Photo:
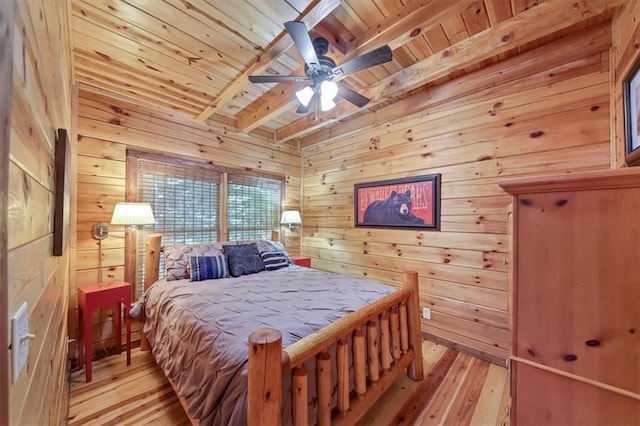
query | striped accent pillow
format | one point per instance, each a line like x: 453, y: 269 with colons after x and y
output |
x: 208, y: 267
x: 274, y: 260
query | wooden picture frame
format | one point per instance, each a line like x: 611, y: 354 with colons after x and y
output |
x: 631, y: 98
x: 62, y: 195
x: 399, y: 203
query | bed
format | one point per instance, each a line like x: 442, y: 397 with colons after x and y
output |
x: 291, y: 345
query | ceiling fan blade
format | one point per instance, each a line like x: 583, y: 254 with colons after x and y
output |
x: 351, y: 95
x: 275, y: 78
x: 375, y: 57
x: 300, y: 35
x: 305, y: 109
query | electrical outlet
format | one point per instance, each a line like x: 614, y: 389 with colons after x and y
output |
x: 426, y: 313
x: 20, y: 340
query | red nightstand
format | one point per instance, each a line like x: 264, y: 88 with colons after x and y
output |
x: 102, y: 295
x: 302, y: 261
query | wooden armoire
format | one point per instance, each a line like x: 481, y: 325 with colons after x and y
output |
x: 575, y: 299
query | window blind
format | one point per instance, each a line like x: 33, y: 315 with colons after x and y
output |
x: 253, y: 207
x: 185, y: 202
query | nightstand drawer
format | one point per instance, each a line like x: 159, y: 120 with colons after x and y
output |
x: 302, y: 261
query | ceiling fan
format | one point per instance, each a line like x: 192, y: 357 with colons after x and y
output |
x: 320, y: 70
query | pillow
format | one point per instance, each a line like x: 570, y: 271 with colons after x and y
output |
x: 268, y: 245
x: 243, y: 259
x: 208, y: 267
x: 274, y: 260
x: 176, y: 258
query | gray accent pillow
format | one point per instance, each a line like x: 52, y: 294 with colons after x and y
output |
x: 176, y: 258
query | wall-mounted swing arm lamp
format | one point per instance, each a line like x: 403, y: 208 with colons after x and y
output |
x: 129, y: 214
x: 291, y: 218
x: 132, y: 214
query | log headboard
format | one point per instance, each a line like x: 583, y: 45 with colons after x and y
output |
x: 153, y: 250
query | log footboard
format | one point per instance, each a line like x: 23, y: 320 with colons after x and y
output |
x: 389, y: 330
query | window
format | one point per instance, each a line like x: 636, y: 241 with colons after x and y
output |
x: 253, y: 207
x: 188, y: 201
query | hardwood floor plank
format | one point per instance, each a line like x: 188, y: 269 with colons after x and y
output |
x: 504, y: 412
x: 463, y: 407
x: 487, y: 411
x: 438, y: 410
x: 457, y: 389
x: 424, y: 395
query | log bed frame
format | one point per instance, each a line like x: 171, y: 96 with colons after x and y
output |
x: 388, y: 327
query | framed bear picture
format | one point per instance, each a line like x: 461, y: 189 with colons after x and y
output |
x: 399, y: 203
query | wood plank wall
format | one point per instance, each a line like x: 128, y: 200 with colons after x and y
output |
x: 541, y: 112
x: 107, y: 128
x: 41, y: 103
x: 625, y: 53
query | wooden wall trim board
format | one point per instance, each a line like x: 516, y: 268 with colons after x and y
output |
x: 73, y: 218
x: 542, y: 111
x: 6, y: 73
x: 599, y: 179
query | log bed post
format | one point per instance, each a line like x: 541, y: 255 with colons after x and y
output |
x: 415, y: 370
x: 151, y: 274
x: 264, y: 394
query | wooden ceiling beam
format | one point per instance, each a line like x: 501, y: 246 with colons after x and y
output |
x: 409, y: 21
x: 558, y: 60
x: 399, y: 28
x: 311, y: 16
x: 517, y: 31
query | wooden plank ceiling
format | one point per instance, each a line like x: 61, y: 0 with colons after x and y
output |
x: 194, y: 56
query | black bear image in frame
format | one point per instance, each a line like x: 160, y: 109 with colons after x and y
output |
x: 395, y: 210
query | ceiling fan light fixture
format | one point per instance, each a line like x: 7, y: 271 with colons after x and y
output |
x: 329, y: 89
x: 326, y: 103
x: 305, y: 95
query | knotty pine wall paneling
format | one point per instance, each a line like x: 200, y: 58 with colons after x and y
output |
x: 625, y: 53
x: 107, y: 129
x: 540, y: 112
x: 40, y: 104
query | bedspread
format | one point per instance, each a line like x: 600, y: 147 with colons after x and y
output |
x: 198, y: 331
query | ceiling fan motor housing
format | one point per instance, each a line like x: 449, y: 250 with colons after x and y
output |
x: 326, y: 64
x: 321, y: 46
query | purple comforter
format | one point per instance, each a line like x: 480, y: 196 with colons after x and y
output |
x: 198, y: 330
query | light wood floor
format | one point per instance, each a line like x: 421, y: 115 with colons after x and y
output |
x: 458, y: 389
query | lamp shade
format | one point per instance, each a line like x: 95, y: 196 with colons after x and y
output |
x: 132, y: 214
x: 305, y: 95
x: 290, y: 217
x: 329, y: 89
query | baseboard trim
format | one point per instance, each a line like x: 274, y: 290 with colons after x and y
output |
x: 494, y: 359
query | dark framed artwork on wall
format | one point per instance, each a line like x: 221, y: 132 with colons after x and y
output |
x: 631, y: 97
x: 399, y: 203
x: 62, y: 196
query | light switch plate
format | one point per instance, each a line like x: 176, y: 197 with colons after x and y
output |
x: 19, y: 342
x: 426, y: 313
